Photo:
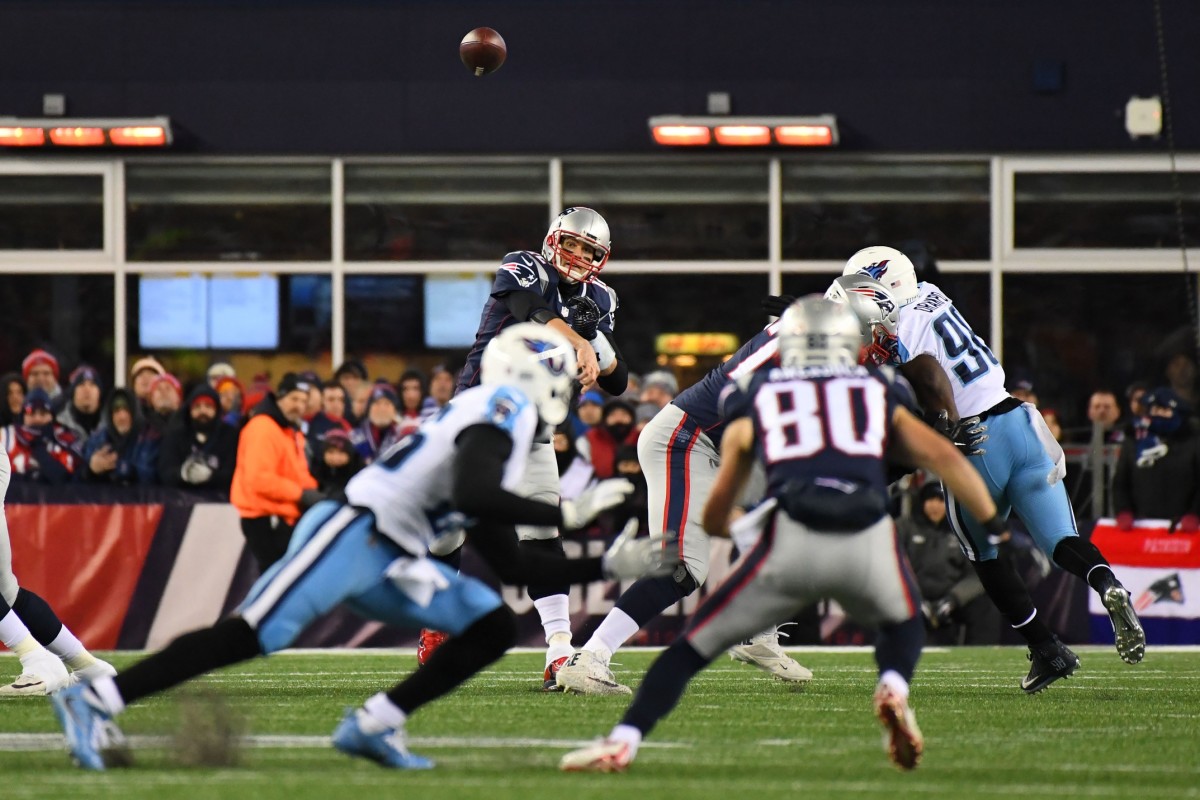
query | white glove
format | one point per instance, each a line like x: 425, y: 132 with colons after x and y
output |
x: 601, y: 497
x: 630, y: 558
x: 195, y: 472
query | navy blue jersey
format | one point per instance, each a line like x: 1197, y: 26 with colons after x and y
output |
x: 525, y: 271
x: 701, y: 401
x: 823, y: 425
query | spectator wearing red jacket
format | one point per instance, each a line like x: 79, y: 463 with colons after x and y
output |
x: 40, y: 449
x: 616, y: 428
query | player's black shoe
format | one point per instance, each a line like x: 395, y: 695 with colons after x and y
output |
x: 1048, y: 663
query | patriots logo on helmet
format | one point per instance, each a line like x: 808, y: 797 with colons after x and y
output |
x: 875, y: 270
x: 882, y: 300
x: 556, y: 364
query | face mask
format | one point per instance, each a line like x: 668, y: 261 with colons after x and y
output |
x: 619, y: 431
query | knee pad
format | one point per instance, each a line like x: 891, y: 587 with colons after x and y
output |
x: 685, y: 584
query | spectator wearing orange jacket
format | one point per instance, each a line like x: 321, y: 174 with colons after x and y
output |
x: 272, y: 483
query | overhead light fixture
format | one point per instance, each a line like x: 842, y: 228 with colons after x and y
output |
x: 816, y: 131
x: 55, y: 132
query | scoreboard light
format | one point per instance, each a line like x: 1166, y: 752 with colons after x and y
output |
x: 816, y: 131
x: 59, y: 132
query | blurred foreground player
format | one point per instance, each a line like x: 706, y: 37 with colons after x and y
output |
x: 823, y: 426
x: 371, y: 553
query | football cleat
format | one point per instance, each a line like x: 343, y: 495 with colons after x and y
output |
x: 430, y: 640
x: 764, y: 652
x: 387, y: 748
x: 603, y: 756
x: 91, y: 733
x: 550, y: 676
x: 1128, y: 635
x: 42, y: 673
x: 1048, y: 663
x: 584, y: 673
x: 97, y: 669
x: 902, y: 739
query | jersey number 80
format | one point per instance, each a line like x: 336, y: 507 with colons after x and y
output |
x: 802, y: 418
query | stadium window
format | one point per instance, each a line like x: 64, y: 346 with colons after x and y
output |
x: 51, y: 212
x: 70, y: 315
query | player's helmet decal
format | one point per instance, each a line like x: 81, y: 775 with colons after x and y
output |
x: 875, y: 270
x: 556, y: 363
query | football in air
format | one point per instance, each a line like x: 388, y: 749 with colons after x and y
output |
x: 483, y: 51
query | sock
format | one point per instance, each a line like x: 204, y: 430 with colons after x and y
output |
x: 70, y: 650
x: 559, y: 646
x: 628, y: 735
x: 380, y: 714
x: 664, y: 685
x: 230, y: 641
x: 1100, y: 577
x: 898, y: 647
x: 488, y: 638
x: 37, y: 615
x: 555, y: 614
x: 1079, y: 557
x: 105, y: 695
x: 894, y: 681
x: 14, y: 634
x: 649, y: 597
x: 1008, y: 592
x: 614, y: 630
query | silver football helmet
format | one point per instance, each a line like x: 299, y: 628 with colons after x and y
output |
x: 816, y: 331
x: 888, y: 266
x: 877, y: 312
x: 586, y: 226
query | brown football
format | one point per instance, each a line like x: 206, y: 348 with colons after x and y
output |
x: 483, y: 51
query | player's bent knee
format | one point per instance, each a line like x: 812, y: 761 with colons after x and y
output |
x: 9, y: 588
x: 685, y: 584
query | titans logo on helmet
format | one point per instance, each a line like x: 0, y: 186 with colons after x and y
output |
x: 555, y: 363
x: 875, y: 270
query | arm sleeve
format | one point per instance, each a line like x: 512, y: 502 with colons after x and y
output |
x: 497, y: 545
x: 617, y: 381
x: 478, y: 474
x: 524, y: 304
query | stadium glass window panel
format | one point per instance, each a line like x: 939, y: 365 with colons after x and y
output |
x: 1102, y: 210
x: 832, y: 208
x: 686, y: 209
x: 1104, y: 331
x: 445, y: 211
x: 51, y: 212
x: 68, y: 314
x: 228, y: 212
x: 262, y: 323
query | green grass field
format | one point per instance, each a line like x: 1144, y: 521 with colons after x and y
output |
x: 1111, y: 731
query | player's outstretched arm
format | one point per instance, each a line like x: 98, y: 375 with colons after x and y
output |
x: 737, y: 449
x: 931, y: 386
x: 920, y: 445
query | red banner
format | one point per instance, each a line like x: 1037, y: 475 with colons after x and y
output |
x: 85, y: 560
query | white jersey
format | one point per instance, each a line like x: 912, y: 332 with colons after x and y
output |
x: 931, y: 325
x: 409, y: 486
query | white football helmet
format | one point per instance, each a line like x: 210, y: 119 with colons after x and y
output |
x: 888, y: 266
x: 539, y: 361
x: 587, y: 226
x: 814, y: 331
x: 876, y: 310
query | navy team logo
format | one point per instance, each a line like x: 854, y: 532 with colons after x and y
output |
x: 875, y: 270
x: 556, y: 363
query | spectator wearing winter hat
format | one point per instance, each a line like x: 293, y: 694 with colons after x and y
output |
x: 332, y: 416
x: 1023, y: 391
x: 271, y: 480
x: 199, y: 449
x: 40, y: 370
x: 590, y: 411
x: 166, y: 396
x: 351, y: 375
x: 142, y: 376
x: 219, y: 370
x: 232, y: 396
x: 1158, y: 469
x: 81, y: 414
x: 123, y: 451
x: 337, y: 462
x: 616, y: 428
x: 378, y: 431
x: 41, y: 450
x: 12, y: 406
x: 658, y: 389
x: 441, y: 390
x: 412, y: 401
x: 315, y: 399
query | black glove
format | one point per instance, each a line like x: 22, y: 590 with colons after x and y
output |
x: 585, y: 316
x: 944, y: 610
x: 309, y: 498
x: 775, y: 305
x: 968, y: 434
